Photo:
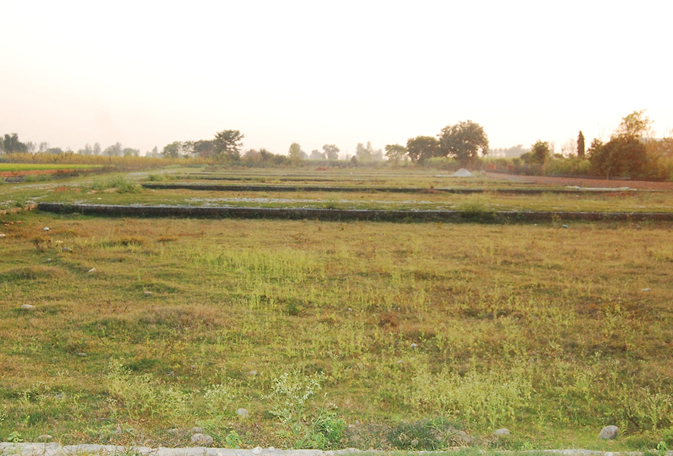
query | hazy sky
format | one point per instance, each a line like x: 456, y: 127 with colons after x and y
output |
x: 315, y: 72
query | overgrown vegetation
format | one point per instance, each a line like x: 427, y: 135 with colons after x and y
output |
x: 334, y: 335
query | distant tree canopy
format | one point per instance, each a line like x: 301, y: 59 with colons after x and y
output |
x: 421, y: 148
x: 581, y: 148
x: 634, y: 125
x: 115, y: 150
x: 464, y: 141
x: 625, y: 155
x: 539, y: 153
x: 11, y: 144
x: 363, y: 153
x: 331, y: 151
x: 622, y: 156
x: 295, y: 152
x: 204, y: 148
x: 263, y: 157
x: 316, y: 155
x: 395, y: 152
x: 227, y: 145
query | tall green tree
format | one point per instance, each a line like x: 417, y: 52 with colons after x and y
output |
x: 464, y: 141
x: 228, y: 144
x: 421, y: 148
x: 580, y: 145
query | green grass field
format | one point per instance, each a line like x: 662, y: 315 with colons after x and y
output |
x: 332, y: 335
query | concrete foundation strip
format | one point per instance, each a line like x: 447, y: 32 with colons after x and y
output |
x: 352, y: 214
x: 310, y: 188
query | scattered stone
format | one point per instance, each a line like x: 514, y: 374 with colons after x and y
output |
x: 414, y: 345
x: 242, y: 413
x: 257, y: 450
x: 197, y: 430
x: 147, y: 293
x: 252, y: 372
x: 91, y: 270
x: 44, y: 437
x: 271, y: 448
x: 462, y: 438
x: 66, y: 249
x: 350, y: 310
x: 2, y: 234
x: 45, y: 228
x: 60, y: 396
x: 27, y: 307
x: 501, y: 432
x: 202, y: 439
x: 82, y: 354
x: 609, y: 433
x: 173, y: 431
x: 564, y: 226
x: 645, y: 290
x: 48, y: 260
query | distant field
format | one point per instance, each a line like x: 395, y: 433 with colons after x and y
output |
x: 12, y: 167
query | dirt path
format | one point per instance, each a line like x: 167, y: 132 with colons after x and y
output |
x: 584, y: 181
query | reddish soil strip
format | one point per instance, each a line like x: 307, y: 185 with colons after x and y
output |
x: 34, y: 171
x: 584, y: 181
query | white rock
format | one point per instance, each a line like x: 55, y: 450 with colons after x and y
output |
x: 462, y: 172
x: 202, y: 439
x: 44, y: 437
x: 45, y: 229
x: 257, y: 450
x: 242, y: 413
x: 500, y: 432
x: 645, y: 290
x: 91, y: 270
x: 27, y: 307
x: 609, y: 433
x: 414, y: 345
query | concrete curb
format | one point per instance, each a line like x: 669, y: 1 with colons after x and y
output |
x: 352, y: 214
x: 313, y: 188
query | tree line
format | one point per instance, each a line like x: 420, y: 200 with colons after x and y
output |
x: 631, y: 151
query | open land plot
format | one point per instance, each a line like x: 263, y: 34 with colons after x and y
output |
x: 381, y: 335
